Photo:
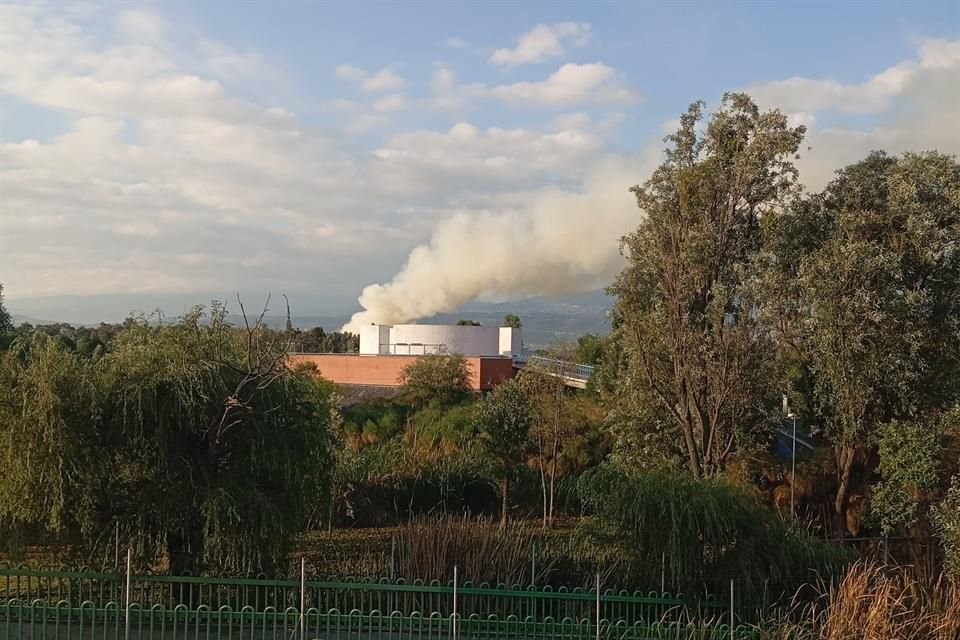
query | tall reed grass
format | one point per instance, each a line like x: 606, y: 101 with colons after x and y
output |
x: 873, y: 602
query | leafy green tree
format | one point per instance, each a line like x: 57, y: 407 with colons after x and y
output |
x: 686, y: 298
x: 590, y: 349
x: 882, y: 298
x: 467, y: 323
x: 504, y: 419
x: 442, y: 379
x: 909, y: 469
x: 946, y: 524
x: 6, y: 326
x: 195, y: 439
x: 512, y: 320
x: 51, y: 453
x: 316, y: 340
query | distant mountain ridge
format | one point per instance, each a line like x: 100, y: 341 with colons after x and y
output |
x: 545, y: 319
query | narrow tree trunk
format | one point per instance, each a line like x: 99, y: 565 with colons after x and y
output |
x: 557, y: 418
x: 843, y: 490
x: 692, y: 451
x: 505, y: 496
x: 184, y: 551
x: 543, y: 486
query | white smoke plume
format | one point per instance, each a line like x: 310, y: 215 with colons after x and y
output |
x: 563, y: 242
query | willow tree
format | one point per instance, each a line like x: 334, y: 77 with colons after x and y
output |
x: 6, y: 324
x: 194, y: 439
x: 49, y: 449
x: 686, y: 298
x: 223, y: 447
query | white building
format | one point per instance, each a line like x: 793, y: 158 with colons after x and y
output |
x: 421, y: 339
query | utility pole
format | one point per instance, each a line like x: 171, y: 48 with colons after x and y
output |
x: 793, y: 465
x: 793, y: 455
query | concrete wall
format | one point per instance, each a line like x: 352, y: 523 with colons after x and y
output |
x: 420, y: 339
x: 375, y: 339
x: 510, y: 344
x: 386, y: 371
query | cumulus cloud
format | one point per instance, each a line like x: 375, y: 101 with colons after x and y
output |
x: 161, y: 179
x: 557, y: 242
x: 383, y: 80
x: 875, y: 93
x: 391, y: 102
x: 349, y: 73
x: 542, y: 42
x: 147, y: 171
x: 507, y: 155
x: 571, y: 84
x: 910, y: 106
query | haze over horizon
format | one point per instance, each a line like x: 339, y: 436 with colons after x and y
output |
x: 157, y: 154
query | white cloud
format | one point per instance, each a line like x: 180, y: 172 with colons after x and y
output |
x: 447, y: 95
x: 146, y: 229
x: 383, y: 80
x: 391, y: 102
x: 571, y: 84
x: 350, y: 73
x: 874, y: 94
x: 486, y: 157
x: 141, y: 26
x: 542, y: 42
x: 456, y: 43
x: 164, y: 180
x: 226, y: 62
x: 911, y: 105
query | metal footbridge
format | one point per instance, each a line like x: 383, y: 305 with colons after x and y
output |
x: 573, y: 374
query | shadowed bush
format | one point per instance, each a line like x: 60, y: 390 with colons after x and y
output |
x: 703, y: 533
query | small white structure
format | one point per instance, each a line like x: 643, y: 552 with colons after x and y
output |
x: 423, y: 339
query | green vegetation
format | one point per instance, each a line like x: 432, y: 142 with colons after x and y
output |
x: 436, y: 380
x: 316, y: 340
x: 192, y: 440
x: 195, y: 441
x: 503, y: 421
x: 6, y: 325
x: 701, y: 532
x: 512, y: 320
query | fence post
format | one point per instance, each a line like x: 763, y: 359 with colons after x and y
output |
x: 598, y: 605
x: 303, y: 597
x: 393, y: 556
x: 453, y: 619
x: 663, y: 573
x: 116, y: 545
x: 732, y: 636
x: 126, y: 607
x: 533, y: 563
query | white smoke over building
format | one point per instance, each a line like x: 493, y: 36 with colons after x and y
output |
x: 562, y: 242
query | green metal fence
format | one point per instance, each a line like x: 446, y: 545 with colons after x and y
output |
x: 38, y: 604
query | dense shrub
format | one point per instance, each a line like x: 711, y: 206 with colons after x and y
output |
x: 702, y: 533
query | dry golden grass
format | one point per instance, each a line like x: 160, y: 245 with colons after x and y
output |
x: 873, y: 602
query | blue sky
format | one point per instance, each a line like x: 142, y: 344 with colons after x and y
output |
x: 200, y: 148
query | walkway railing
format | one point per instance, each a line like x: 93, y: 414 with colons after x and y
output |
x: 200, y: 607
x: 552, y: 366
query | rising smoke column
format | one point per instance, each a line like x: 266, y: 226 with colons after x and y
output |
x: 563, y: 242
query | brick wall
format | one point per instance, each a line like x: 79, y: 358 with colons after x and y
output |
x: 385, y: 371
